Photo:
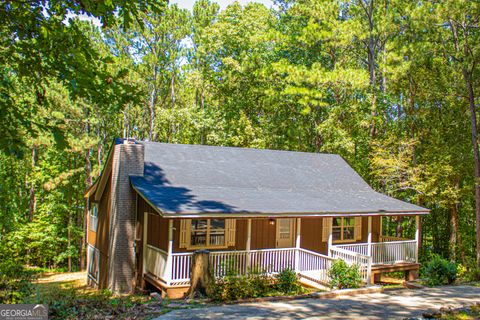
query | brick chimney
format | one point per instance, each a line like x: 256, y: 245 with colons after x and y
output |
x: 127, y: 160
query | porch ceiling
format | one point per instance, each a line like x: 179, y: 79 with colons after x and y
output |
x: 182, y: 180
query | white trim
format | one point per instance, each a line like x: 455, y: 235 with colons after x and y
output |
x: 168, y: 267
x: 285, y: 215
x: 231, y: 215
x: 417, y: 235
x: 149, y: 246
x: 145, y: 242
x: 369, y: 236
x: 297, y: 244
x: 93, y: 218
x: 248, y: 243
x: 330, y: 239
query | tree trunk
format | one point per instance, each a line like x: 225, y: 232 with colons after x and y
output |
x: 172, y: 90
x: 88, y: 183
x: 200, y: 275
x: 151, y: 128
x: 453, y: 232
x: 202, y: 104
x: 473, y: 119
x: 33, y: 198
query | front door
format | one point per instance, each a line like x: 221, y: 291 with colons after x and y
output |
x: 285, y: 228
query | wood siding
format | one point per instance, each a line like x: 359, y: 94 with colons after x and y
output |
x: 143, y: 206
x: 157, y: 233
x: 101, y: 241
x: 263, y: 234
x: 311, y: 235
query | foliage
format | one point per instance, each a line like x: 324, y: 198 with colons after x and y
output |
x: 15, y: 282
x: 255, y: 284
x: 68, y: 297
x: 383, y: 86
x: 287, y: 282
x: 232, y: 287
x: 343, y: 276
x: 440, y: 271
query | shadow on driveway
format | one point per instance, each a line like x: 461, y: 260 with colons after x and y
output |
x: 395, y: 304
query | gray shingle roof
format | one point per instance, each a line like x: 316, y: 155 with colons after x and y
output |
x: 193, y: 179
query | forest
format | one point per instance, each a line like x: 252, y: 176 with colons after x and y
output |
x: 390, y: 85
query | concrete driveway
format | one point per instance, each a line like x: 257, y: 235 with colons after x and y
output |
x: 394, y: 304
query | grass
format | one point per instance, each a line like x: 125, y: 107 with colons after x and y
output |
x: 470, y: 313
x: 69, y: 297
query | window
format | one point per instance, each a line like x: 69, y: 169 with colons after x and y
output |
x: 93, y: 256
x: 207, y: 233
x: 93, y: 217
x: 343, y: 229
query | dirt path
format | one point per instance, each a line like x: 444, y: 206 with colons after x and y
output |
x: 395, y: 304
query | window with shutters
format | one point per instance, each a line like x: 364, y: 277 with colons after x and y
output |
x: 207, y: 233
x: 343, y: 229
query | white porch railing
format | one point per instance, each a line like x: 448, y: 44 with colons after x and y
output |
x: 241, y: 262
x: 311, y: 265
x: 308, y: 264
x: 386, y: 252
x: 314, y: 266
x: 363, y: 262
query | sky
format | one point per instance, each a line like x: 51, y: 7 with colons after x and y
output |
x: 188, y: 4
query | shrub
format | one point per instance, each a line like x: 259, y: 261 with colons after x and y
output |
x: 287, y: 282
x: 343, y: 276
x: 15, y: 282
x: 233, y: 287
x: 254, y: 285
x: 439, y: 271
x: 473, y: 274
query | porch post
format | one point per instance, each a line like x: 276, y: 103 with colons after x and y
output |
x: 369, y: 251
x: 380, y: 237
x: 369, y: 237
x: 330, y: 239
x: 168, y: 265
x: 417, y: 236
x: 144, y: 243
x: 249, y: 243
x: 297, y: 246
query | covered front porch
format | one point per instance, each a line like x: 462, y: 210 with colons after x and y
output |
x: 170, y: 268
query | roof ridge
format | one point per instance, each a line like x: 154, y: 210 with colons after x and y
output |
x: 237, y: 148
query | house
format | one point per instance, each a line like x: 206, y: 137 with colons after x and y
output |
x: 155, y: 204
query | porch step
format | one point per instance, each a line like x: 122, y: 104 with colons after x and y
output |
x: 313, y: 284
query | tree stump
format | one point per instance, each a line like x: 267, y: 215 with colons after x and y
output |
x: 201, y: 277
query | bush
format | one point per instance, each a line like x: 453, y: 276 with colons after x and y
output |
x: 343, y: 276
x: 15, y: 282
x: 473, y: 274
x: 287, y: 282
x: 468, y: 271
x: 439, y: 271
x: 254, y: 285
x: 232, y: 287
